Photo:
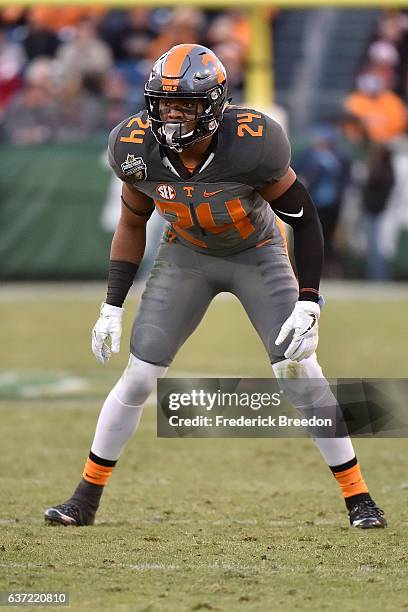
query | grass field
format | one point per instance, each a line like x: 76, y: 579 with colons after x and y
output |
x: 209, y: 524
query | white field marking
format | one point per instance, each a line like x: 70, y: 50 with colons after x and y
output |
x: 94, y: 291
x: 61, y: 387
x: 146, y: 566
x: 31, y: 384
x: 9, y: 378
x: 69, y: 385
x: 321, y: 570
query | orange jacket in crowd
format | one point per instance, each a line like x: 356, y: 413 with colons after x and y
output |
x: 383, y: 116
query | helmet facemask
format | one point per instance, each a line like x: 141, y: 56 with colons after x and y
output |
x: 178, y: 135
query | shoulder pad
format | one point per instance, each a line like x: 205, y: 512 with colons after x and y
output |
x: 259, y: 149
x: 128, y: 147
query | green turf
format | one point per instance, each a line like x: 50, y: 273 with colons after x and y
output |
x: 193, y: 524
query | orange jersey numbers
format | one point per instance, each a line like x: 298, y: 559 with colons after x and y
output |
x: 137, y: 135
x: 184, y: 219
x: 243, y: 128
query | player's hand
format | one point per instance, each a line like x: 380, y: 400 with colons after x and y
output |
x: 304, y: 323
x: 109, y: 325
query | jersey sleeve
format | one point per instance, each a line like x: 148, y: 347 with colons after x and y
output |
x: 113, y: 153
x: 275, y: 157
x: 127, y: 151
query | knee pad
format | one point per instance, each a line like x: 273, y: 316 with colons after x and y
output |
x: 137, y: 381
x: 309, y: 388
x: 150, y: 342
x: 307, y: 368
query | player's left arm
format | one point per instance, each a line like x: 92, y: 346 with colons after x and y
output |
x: 291, y: 201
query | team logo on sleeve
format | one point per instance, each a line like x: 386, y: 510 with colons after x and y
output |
x: 167, y: 192
x: 135, y: 166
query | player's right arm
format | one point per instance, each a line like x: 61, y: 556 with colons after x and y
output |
x: 127, y: 251
x: 129, y: 239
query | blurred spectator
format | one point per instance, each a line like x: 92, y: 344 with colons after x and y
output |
x: 128, y: 33
x: 138, y: 35
x: 232, y: 56
x: 12, y: 62
x: 393, y: 31
x: 105, y: 53
x: 229, y: 37
x: 12, y: 15
x: 324, y: 167
x: 375, y: 116
x: 230, y: 27
x: 393, y: 26
x: 374, y: 112
x: 79, y: 112
x: 37, y: 36
x: 383, y: 61
x: 87, y: 54
x: 375, y: 194
x: 184, y: 24
x: 57, y: 18
x: 117, y: 98
x: 32, y: 115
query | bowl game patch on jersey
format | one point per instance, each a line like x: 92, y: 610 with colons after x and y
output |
x: 134, y: 167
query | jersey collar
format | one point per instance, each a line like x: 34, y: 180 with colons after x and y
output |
x: 172, y: 161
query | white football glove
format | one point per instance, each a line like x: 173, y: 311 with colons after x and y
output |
x: 109, y: 325
x: 304, y: 323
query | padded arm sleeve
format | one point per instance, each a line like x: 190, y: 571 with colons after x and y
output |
x: 296, y: 208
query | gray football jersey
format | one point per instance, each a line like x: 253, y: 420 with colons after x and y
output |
x: 216, y: 209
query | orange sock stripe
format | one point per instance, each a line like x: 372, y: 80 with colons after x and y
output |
x: 351, y: 481
x: 96, y: 474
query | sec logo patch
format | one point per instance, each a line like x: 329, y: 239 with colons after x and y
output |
x: 167, y: 192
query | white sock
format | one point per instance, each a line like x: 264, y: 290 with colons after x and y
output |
x: 122, y: 410
x: 116, y: 425
x: 335, y: 451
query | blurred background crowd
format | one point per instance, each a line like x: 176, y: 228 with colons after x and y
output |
x: 69, y: 74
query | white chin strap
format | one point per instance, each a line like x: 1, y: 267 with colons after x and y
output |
x: 169, y: 130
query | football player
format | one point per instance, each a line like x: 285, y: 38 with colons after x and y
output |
x: 221, y: 177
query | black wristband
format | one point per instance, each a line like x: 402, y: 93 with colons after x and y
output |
x: 309, y: 294
x: 120, y: 279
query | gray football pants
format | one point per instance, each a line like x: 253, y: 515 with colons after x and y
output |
x: 183, y: 282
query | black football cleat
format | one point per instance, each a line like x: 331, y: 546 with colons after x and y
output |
x: 366, y: 515
x: 69, y: 514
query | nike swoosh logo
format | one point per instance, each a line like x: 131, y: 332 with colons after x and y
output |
x: 208, y: 194
x: 299, y: 214
x: 313, y: 323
